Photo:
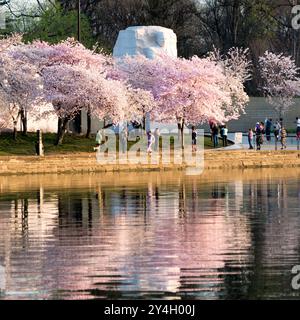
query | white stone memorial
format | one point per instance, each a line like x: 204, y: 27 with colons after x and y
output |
x: 146, y: 40
x: 149, y: 41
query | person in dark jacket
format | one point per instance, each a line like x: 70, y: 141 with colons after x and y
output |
x: 194, y: 139
x: 269, y: 124
x: 215, y: 134
x: 259, y: 131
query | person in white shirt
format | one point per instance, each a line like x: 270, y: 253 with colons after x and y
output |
x: 98, y: 140
x: 225, y: 136
x: 277, y: 128
x: 151, y: 141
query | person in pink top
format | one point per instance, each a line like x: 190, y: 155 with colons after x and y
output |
x: 250, y: 139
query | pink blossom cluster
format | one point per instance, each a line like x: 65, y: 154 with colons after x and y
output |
x: 20, y: 84
x: 280, y: 80
x: 193, y: 90
x: 72, y: 77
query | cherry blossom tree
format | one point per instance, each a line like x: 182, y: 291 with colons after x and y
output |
x: 4, y: 116
x: 20, y: 85
x: 280, y: 80
x: 75, y: 78
x: 69, y: 52
x: 8, y: 42
x: 236, y: 67
x: 71, y: 88
x: 189, y: 91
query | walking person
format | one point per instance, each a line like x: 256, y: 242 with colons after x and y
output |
x: 151, y: 141
x: 277, y: 128
x: 225, y: 136
x: 215, y: 134
x: 263, y: 131
x: 211, y: 126
x: 259, y: 136
x: 281, y: 122
x: 250, y: 139
x: 283, y: 138
x: 194, y: 139
x: 268, y: 125
x: 222, y: 132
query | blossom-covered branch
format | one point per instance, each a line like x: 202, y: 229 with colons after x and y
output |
x: 280, y: 80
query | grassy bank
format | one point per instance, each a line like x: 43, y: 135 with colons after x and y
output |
x: 25, y: 145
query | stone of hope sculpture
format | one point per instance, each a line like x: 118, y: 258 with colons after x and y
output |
x: 149, y: 41
x: 146, y: 40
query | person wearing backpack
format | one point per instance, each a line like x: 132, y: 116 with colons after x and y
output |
x: 259, y: 131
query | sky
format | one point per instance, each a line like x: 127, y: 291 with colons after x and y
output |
x: 22, y: 4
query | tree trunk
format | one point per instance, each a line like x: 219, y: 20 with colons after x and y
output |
x: 182, y: 136
x: 179, y: 130
x: 62, y: 128
x: 89, y: 124
x: 15, y: 132
x: 181, y: 127
x: 24, y: 122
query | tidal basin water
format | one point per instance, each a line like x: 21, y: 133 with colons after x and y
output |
x: 222, y: 235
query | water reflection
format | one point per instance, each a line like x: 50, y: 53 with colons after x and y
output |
x: 221, y: 236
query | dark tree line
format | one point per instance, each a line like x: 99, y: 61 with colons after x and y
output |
x: 108, y: 17
x: 199, y: 25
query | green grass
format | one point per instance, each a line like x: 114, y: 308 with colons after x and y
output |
x: 25, y: 145
x: 208, y: 144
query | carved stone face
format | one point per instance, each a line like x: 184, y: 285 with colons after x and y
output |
x: 148, y: 41
x: 160, y: 39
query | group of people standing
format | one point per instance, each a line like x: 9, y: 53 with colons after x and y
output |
x: 217, y: 130
x: 263, y: 132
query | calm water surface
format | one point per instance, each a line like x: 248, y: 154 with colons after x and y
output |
x: 233, y: 235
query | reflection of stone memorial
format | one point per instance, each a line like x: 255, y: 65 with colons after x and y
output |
x: 147, y: 41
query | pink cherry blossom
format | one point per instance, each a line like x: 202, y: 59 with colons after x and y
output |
x: 280, y: 80
x: 75, y: 78
x: 194, y: 90
x: 20, y: 84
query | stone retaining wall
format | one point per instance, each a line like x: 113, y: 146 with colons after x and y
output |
x: 86, y: 163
